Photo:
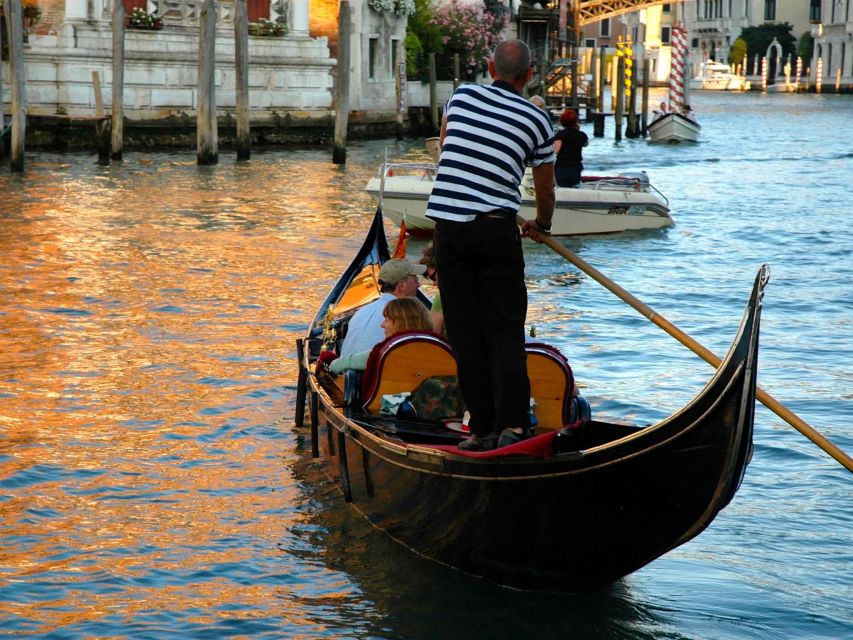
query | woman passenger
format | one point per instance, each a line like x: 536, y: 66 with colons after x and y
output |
x: 400, y: 315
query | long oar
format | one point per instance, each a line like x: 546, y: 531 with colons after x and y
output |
x: 766, y: 399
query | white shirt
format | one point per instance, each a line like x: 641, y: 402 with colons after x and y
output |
x: 365, y: 327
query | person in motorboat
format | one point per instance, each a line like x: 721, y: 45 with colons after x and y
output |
x: 398, y: 278
x: 474, y: 203
x: 538, y: 100
x: 568, y: 145
x: 399, y: 315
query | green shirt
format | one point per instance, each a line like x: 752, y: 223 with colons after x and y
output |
x: 356, y: 361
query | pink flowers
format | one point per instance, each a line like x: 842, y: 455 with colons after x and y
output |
x: 470, y: 31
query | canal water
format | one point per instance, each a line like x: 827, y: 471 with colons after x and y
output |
x: 152, y: 482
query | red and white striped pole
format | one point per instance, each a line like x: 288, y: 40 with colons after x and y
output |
x: 676, y: 72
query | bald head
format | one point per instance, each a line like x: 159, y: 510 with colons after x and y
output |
x: 512, y: 61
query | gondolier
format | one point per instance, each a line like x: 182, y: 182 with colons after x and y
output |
x: 489, y: 134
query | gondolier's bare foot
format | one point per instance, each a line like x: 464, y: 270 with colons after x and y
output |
x: 479, y: 443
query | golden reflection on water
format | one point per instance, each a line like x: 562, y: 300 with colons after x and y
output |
x: 148, y: 315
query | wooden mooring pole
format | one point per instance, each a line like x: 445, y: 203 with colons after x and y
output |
x: 2, y: 113
x: 644, y: 129
x: 602, y: 78
x: 207, y: 151
x: 241, y: 64
x: 15, y: 29
x: 339, y: 151
x: 620, y: 96
x: 102, y: 127
x: 456, y: 71
x: 632, y: 130
x: 433, y: 95
x: 592, y: 93
x: 117, y: 134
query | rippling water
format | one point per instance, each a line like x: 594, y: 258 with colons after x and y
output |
x: 152, y: 483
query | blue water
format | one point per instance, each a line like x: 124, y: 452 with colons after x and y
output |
x: 152, y: 482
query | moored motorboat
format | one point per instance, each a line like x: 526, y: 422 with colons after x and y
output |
x: 602, y: 204
x: 716, y: 76
x: 571, y: 509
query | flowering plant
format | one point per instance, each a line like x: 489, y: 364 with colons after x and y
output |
x: 139, y: 18
x: 400, y: 7
x: 471, y: 32
x: 268, y: 28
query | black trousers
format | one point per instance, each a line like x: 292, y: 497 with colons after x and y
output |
x: 568, y: 175
x: 481, y: 278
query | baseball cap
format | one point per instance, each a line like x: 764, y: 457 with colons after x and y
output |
x: 395, y: 270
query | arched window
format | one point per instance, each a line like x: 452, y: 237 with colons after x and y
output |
x: 814, y: 12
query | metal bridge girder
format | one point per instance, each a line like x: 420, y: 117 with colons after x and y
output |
x: 595, y: 10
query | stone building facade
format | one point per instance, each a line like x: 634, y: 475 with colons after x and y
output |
x: 291, y: 77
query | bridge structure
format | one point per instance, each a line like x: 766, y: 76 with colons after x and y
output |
x: 558, y: 24
x: 594, y: 10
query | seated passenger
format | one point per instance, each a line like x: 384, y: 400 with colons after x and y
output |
x: 437, y: 311
x: 397, y: 279
x: 400, y: 314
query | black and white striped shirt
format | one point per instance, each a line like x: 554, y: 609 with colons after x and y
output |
x: 492, y: 134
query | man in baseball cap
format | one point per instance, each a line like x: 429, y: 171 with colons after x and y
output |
x: 397, y: 279
x: 395, y: 271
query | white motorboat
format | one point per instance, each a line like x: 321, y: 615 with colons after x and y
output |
x: 678, y: 123
x: 716, y: 76
x: 613, y: 204
x: 674, y: 127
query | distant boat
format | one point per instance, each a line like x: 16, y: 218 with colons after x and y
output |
x: 716, y: 76
x: 674, y: 127
x: 677, y: 123
x: 602, y: 204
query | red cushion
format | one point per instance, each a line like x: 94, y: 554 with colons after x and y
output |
x: 539, y: 446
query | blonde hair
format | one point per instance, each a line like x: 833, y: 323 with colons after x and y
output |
x: 408, y: 314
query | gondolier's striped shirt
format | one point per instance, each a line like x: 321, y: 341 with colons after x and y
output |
x: 492, y: 134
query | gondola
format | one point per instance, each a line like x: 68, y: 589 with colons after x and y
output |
x: 572, y: 509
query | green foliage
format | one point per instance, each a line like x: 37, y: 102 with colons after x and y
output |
x: 738, y: 51
x: 469, y: 30
x: 414, y: 52
x: 422, y: 38
x: 267, y: 28
x: 805, y: 47
x: 759, y: 38
x: 140, y: 19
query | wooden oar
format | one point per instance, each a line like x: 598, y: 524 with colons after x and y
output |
x: 766, y: 399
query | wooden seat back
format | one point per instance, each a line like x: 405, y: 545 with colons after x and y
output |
x: 401, y: 363
x: 551, y: 385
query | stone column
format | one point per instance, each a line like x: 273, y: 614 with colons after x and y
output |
x: 75, y: 12
x: 299, y: 17
x: 77, y: 9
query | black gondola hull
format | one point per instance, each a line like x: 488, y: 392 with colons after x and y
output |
x: 574, y: 521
